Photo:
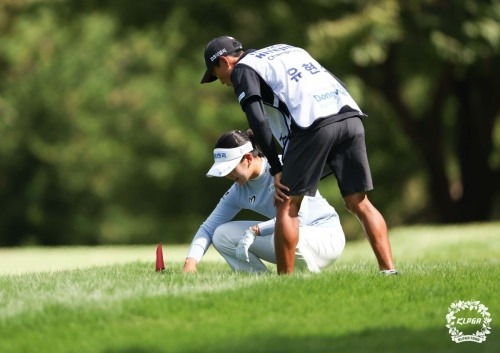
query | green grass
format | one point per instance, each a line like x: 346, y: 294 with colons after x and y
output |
x: 122, y: 306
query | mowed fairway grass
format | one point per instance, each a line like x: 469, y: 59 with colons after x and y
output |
x: 124, y: 307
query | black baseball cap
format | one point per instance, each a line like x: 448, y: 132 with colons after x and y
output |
x: 216, y: 48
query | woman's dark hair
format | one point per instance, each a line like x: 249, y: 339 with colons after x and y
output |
x: 236, y: 138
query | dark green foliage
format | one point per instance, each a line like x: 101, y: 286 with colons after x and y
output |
x: 106, y: 132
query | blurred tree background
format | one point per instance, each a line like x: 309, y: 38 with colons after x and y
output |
x: 106, y: 133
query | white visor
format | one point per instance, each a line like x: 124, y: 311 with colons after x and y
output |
x: 226, y: 159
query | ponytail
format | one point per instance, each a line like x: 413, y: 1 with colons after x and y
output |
x: 237, y: 138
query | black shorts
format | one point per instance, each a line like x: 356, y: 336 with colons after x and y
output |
x: 338, y: 146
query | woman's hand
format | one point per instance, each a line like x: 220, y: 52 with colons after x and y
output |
x: 190, y: 265
x: 255, y: 229
x: 279, y: 190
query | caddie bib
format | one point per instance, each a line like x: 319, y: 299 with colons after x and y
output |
x: 309, y: 91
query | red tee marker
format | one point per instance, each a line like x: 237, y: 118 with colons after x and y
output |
x: 160, y: 266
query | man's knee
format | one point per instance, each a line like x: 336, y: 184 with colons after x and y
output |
x: 291, y: 206
x: 356, y: 203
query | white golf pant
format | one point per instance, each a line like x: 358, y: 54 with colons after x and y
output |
x: 318, y: 247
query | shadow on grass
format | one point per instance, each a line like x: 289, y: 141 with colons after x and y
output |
x: 373, y: 341
x: 386, y: 341
x: 134, y: 349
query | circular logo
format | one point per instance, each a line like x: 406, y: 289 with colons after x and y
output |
x: 468, y: 316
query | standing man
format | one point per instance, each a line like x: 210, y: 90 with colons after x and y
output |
x: 287, y: 94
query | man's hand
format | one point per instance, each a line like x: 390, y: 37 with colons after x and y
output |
x: 190, y: 265
x: 279, y: 189
x: 244, y: 244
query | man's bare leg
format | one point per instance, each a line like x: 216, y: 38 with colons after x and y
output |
x: 286, y: 233
x: 374, y: 226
